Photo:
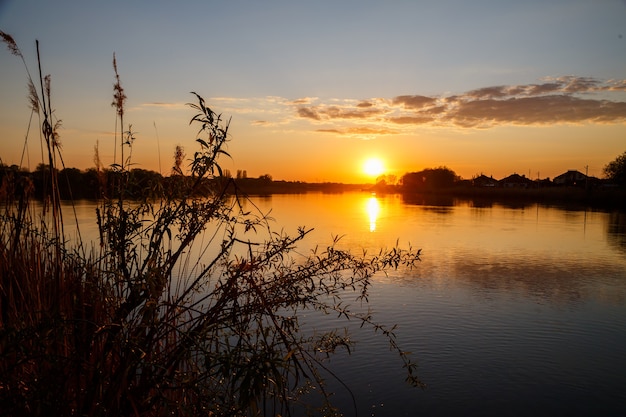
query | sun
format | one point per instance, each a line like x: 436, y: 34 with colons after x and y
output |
x: 373, y: 167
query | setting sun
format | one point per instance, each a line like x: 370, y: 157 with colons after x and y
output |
x: 373, y: 167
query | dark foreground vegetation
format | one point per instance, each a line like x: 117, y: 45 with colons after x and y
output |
x: 187, y: 305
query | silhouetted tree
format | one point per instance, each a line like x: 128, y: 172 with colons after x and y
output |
x: 387, y: 179
x: 94, y: 180
x: 145, y: 183
x: 71, y: 183
x: 41, y: 179
x: 616, y: 170
x: 429, y: 179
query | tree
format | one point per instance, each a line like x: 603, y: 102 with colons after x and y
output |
x: 428, y: 179
x: 616, y: 170
x: 71, y: 183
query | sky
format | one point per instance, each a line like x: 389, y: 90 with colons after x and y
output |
x: 315, y: 88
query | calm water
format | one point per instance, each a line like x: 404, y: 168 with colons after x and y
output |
x: 512, y: 311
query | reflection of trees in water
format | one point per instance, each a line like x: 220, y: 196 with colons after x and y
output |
x: 550, y: 280
x: 480, y: 203
x: 439, y: 200
x: 616, y: 230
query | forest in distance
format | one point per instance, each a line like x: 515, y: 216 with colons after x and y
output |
x: 441, y: 184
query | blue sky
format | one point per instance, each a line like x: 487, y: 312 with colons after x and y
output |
x: 314, y: 88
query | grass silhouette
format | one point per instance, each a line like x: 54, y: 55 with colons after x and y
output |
x: 188, y: 304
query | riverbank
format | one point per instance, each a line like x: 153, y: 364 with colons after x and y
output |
x: 145, y: 184
x: 565, y: 197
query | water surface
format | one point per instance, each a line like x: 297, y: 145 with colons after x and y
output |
x: 513, y: 311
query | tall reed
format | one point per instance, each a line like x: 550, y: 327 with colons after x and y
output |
x: 190, y: 304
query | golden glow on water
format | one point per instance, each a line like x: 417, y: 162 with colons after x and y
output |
x: 517, y: 284
x: 372, y: 207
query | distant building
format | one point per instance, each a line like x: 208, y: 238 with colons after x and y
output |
x: 544, y: 183
x: 484, y: 181
x: 516, y: 181
x: 571, y: 178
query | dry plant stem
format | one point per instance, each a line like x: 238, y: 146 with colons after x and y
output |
x: 137, y: 327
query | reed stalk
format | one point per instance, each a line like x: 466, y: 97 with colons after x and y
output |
x: 188, y: 305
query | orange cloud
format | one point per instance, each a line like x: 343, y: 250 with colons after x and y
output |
x: 368, y: 132
x: 303, y: 100
x: 540, y: 110
x: 414, y: 102
x: 562, y: 100
x: 308, y: 113
x: 323, y: 112
x: 411, y: 120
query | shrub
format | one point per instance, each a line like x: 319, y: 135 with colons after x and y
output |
x: 187, y: 305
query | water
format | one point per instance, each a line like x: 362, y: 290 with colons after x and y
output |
x: 513, y: 311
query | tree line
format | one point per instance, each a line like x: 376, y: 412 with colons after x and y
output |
x: 445, y: 178
x: 95, y: 183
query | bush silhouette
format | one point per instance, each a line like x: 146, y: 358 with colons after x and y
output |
x: 189, y: 304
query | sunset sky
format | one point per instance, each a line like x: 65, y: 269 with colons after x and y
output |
x: 315, y: 88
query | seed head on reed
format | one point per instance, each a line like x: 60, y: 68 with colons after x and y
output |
x: 56, y: 137
x: 119, y: 98
x: 33, y: 98
x: 11, y: 44
x: 179, y: 156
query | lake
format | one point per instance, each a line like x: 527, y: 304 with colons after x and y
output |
x: 513, y: 311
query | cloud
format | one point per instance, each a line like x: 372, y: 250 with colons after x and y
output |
x: 370, y: 131
x: 555, y: 100
x: 561, y: 85
x: 303, y: 100
x: 362, y: 132
x: 542, y: 110
x: 413, y: 102
x: 334, y: 112
x: 308, y: 113
x: 365, y: 104
x: 411, y: 120
x: 550, y: 101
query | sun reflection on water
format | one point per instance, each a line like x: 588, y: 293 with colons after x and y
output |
x: 372, y: 207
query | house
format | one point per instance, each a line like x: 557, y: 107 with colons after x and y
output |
x: 484, y: 181
x: 571, y: 178
x: 516, y: 181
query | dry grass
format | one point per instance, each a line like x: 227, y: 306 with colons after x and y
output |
x: 188, y: 305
